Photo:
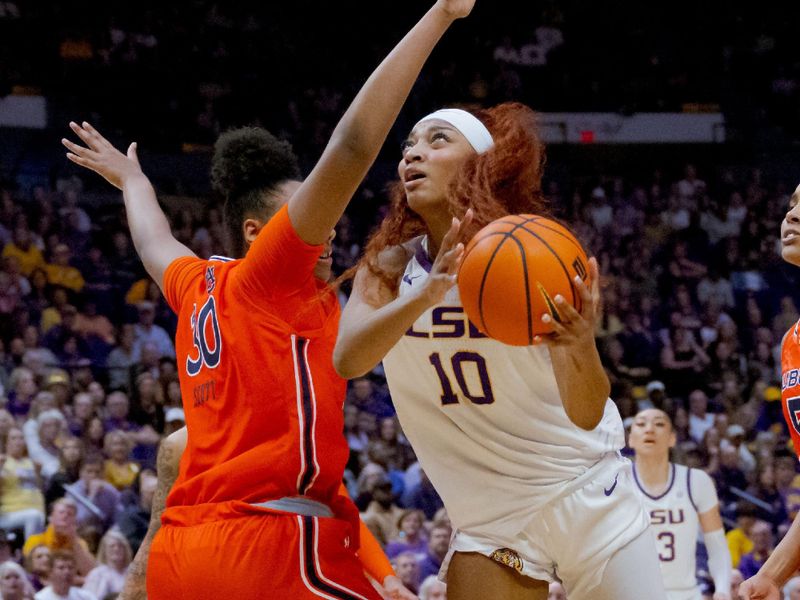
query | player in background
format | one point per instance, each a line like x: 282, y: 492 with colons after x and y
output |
x: 678, y: 499
x: 259, y: 481
x: 522, y: 443
x: 373, y: 560
x: 784, y: 561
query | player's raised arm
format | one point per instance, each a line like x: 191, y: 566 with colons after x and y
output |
x: 319, y: 203
x: 150, y: 230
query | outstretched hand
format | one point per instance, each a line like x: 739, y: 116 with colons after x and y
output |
x: 457, y: 9
x: 101, y: 157
x: 576, y: 328
x: 444, y: 271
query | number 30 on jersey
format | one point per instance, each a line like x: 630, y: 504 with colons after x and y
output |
x: 206, y: 338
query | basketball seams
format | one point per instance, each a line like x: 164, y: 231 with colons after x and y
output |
x: 569, y: 237
x: 505, y: 235
x: 524, y: 260
x: 577, y: 302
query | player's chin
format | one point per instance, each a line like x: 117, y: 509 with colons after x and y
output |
x: 791, y: 254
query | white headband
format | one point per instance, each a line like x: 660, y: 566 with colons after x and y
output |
x: 468, y: 124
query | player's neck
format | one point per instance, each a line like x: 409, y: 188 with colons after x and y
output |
x: 437, y: 229
x: 652, y: 471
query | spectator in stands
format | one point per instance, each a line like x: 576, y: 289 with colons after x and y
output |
x: 791, y: 591
x: 411, y: 537
x: 700, y: 420
x: 438, y: 543
x: 21, y: 498
x: 52, y: 426
x: 134, y: 519
x: 58, y: 383
x: 765, y: 490
x: 97, y: 499
x: 24, y: 250
x: 65, y: 568
x: 382, y: 514
x: 61, y: 272
x: 39, y: 564
x: 71, y: 455
x: 122, y: 359
x: 147, y: 331
x: 432, y: 589
x: 62, y: 534
x: 406, y: 566
x: 83, y: 410
x: 763, y: 545
x: 118, y: 469
x: 739, y: 542
x: 14, y: 584
x: 113, y: 557
x: 23, y: 389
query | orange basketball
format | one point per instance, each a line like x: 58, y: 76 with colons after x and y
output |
x: 511, y: 271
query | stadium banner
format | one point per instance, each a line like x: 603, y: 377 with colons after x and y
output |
x: 639, y: 128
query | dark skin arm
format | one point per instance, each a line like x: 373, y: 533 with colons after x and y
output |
x: 167, y: 463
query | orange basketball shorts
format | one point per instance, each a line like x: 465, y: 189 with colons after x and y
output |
x: 259, y: 556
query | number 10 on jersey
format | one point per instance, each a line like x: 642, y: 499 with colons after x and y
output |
x: 462, y: 363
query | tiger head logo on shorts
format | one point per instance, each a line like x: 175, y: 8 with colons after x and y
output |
x: 509, y: 558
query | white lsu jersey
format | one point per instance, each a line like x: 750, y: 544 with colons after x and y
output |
x: 486, y: 419
x: 673, y: 517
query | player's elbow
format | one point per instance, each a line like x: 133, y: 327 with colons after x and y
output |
x: 346, y: 364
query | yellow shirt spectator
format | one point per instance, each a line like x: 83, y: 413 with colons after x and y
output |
x: 29, y: 258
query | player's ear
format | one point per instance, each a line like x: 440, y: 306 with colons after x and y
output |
x: 250, y: 229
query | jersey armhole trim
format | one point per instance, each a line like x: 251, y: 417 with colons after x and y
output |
x: 689, y: 488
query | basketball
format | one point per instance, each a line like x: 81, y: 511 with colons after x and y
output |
x: 512, y: 270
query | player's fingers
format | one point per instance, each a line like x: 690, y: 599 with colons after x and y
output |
x: 79, y: 160
x: 594, y: 275
x: 132, y: 152
x: 588, y: 300
x: 85, y: 135
x: 559, y: 331
x: 449, y: 239
x: 98, y: 139
x: 77, y: 149
x: 566, y: 310
x: 466, y: 221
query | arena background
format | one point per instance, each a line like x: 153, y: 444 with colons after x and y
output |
x: 713, y: 85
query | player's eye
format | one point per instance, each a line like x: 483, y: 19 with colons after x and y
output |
x: 405, y: 145
x: 440, y: 135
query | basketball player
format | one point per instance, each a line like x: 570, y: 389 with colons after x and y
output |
x: 259, y: 482
x: 678, y: 499
x: 521, y: 442
x: 373, y: 560
x: 784, y: 561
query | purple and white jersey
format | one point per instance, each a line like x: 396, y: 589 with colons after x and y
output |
x: 486, y: 419
x: 673, y: 517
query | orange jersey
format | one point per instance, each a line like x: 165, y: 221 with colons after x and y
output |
x: 263, y: 404
x: 790, y: 383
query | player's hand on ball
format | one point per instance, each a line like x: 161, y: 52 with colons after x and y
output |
x: 101, y: 157
x: 444, y: 271
x: 759, y: 587
x: 576, y: 328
